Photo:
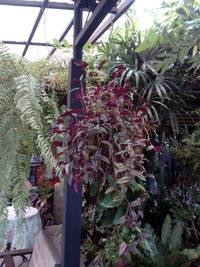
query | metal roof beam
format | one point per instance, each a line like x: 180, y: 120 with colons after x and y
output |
x: 102, y: 9
x: 120, y: 11
x: 52, y: 5
x: 24, y: 43
x: 25, y: 3
x: 62, y: 37
x: 44, y: 5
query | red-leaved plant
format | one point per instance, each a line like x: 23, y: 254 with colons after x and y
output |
x: 103, y: 146
x: 108, y: 137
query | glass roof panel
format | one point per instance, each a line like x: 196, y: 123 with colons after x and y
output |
x: 16, y: 22
x: 69, y: 36
x: 16, y: 49
x: 35, y: 53
x: 52, y: 25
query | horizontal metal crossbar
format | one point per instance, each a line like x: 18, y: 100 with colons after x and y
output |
x: 24, y: 43
x: 51, y: 5
x: 25, y: 3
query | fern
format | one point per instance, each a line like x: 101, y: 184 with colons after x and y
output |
x: 23, y: 130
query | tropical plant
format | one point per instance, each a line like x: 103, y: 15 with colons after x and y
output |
x: 103, y: 146
x: 178, y: 32
x: 25, y: 111
x: 160, y: 65
x: 168, y: 249
x: 110, y: 138
x: 187, y: 153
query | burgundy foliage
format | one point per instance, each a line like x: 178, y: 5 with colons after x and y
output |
x: 109, y: 139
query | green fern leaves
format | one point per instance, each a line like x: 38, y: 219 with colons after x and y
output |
x: 23, y: 130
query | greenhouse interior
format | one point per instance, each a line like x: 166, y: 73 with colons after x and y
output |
x: 100, y: 133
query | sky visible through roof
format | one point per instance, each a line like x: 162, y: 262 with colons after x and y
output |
x: 17, y: 23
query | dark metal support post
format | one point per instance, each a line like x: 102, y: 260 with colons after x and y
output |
x: 72, y: 199
x: 78, y: 18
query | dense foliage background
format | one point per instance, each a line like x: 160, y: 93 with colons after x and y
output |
x: 134, y: 145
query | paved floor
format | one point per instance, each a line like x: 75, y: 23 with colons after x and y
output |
x: 18, y: 262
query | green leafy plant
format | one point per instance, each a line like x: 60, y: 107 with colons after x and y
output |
x: 168, y: 249
x: 24, y: 111
x: 103, y: 146
x: 155, y: 62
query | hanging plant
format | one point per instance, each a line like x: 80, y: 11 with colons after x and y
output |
x: 103, y: 146
x: 106, y: 138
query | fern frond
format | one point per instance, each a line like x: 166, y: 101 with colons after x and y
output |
x: 23, y: 130
x: 30, y: 108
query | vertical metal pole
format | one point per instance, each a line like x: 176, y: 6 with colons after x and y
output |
x: 78, y: 18
x: 72, y: 199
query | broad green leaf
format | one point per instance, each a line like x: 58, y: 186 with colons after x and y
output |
x: 88, y: 46
x: 153, y: 38
x: 176, y: 237
x: 108, y: 201
x: 166, y: 231
x: 167, y: 63
x: 101, y: 208
x: 119, y: 215
x: 108, y: 218
x: 57, y: 43
x: 94, y: 188
x: 66, y: 44
x: 110, y: 180
x: 135, y: 185
x: 142, y: 46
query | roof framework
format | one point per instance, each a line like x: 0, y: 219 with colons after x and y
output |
x: 96, y: 7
